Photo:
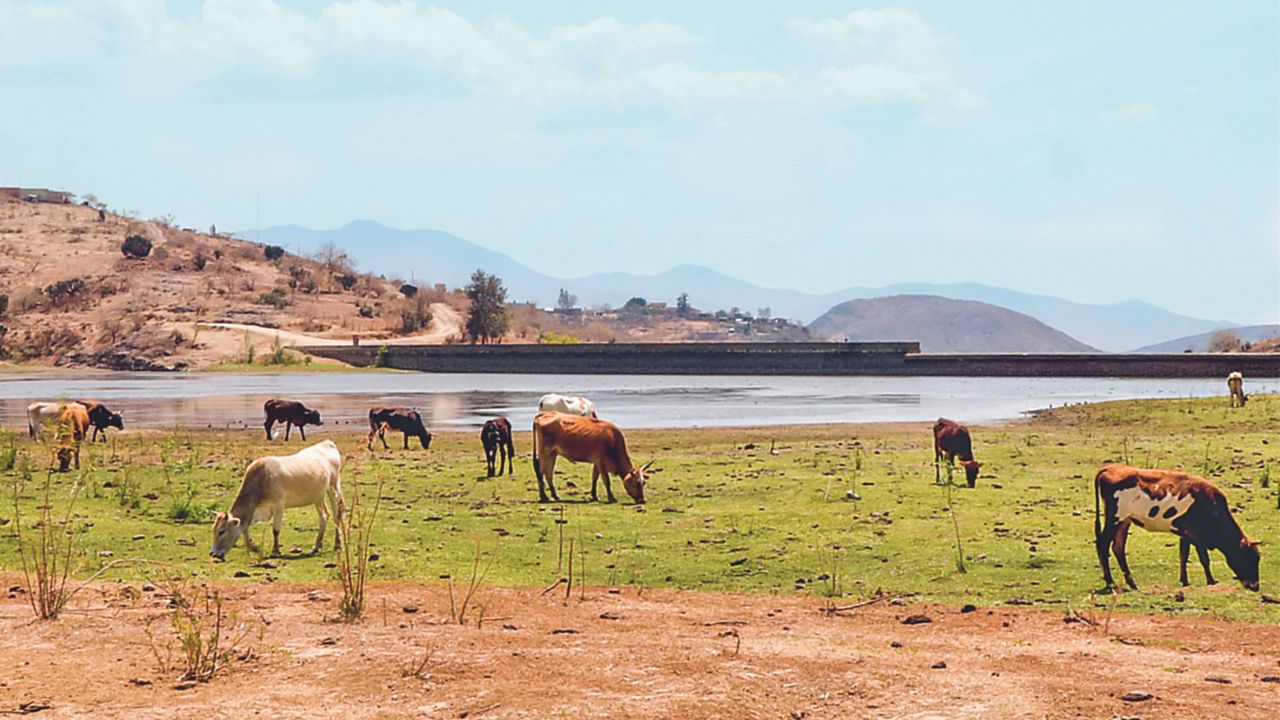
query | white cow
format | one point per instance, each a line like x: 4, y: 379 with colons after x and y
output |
x: 274, y: 483
x: 44, y: 415
x: 552, y: 402
x: 1235, y: 383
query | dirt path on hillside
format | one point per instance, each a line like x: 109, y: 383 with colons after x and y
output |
x: 654, y: 654
x: 445, y: 323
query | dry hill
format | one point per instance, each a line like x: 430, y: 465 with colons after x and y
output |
x: 942, y: 325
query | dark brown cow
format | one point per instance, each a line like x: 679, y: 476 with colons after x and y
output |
x: 951, y: 440
x: 496, y: 438
x: 1188, y: 506
x: 584, y: 440
x: 291, y: 413
x: 401, y: 419
x: 101, y: 418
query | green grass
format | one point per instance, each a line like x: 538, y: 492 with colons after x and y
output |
x: 298, y: 367
x: 724, y: 516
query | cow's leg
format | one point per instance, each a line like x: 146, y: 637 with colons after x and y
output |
x: 323, y: 514
x: 1117, y: 546
x: 406, y: 441
x: 549, y: 469
x: 488, y: 460
x: 937, y: 465
x: 77, y: 455
x: 608, y: 489
x: 1203, y: 552
x: 382, y: 435
x: 277, y: 521
x: 1103, y: 545
x: 303, y: 432
x: 248, y: 541
x: 95, y: 434
x: 511, y: 457
x: 595, y: 478
x: 267, y: 426
x: 1184, y: 550
x: 288, y: 425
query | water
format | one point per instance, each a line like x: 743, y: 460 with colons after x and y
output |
x: 221, y: 400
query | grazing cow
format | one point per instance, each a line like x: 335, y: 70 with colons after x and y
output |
x: 1190, y: 507
x: 101, y: 418
x: 584, y: 440
x: 552, y: 402
x: 272, y: 484
x: 291, y: 413
x: 951, y: 440
x: 1235, y: 383
x: 402, y: 419
x: 496, y: 438
x: 73, y: 426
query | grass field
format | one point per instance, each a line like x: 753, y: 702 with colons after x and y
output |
x: 838, y: 510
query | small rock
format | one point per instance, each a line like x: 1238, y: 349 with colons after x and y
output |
x: 509, y: 627
x: 737, y: 562
x: 968, y: 608
x: 410, y: 609
x: 16, y: 589
x: 1271, y: 678
x: 32, y: 706
x: 139, y: 537
x: 328, y: 641
x: 105, y: 553
x: 1218, y: 679
x: 918, y: 619
x: 1136, y: 696
x: 564, y: 631
x: 240, y: 574
x: 897, y: 601
x: 1179, y: 596
x: 374, y: 557
x: 185, y: 685
x: 940, y: 665
x: 610, y: 616
x: 140, y: 682
x: 148, y: 588
x: 895, y: 644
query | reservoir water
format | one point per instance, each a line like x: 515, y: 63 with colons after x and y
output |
x: 232, y: 400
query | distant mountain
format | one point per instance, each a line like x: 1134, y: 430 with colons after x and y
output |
x: 1200, y: 342
x: 434, y: 256
x: 942, y: 325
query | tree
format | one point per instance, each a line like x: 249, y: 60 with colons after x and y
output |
x: 487, y: 319
x: 408, y: 290
x: 764, y: 313
x: 682, y: 305
x: 136, y: 247
x: 273, y: 252
x: 567, y: 300
x: 1224, y: 341
x: 333, y: 259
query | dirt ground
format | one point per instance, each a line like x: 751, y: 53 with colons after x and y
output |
x: 629, y: 653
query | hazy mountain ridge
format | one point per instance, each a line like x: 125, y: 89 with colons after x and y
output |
x: 432, y: 256
x: 942, y: 325
x: 1200, y: 342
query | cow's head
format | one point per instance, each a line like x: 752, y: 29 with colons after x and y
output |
x: 971, y: 468
x: 312, y: 417
x: 226, y: 531
x: 115, y: 420
x: 1243, y: 560
x: 65, y: 455
x: 424, y: 437
x: 633, y: 483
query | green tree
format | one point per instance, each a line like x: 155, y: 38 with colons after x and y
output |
x: 487, y: 319
x: 567, y: 300
x: 682, y: 305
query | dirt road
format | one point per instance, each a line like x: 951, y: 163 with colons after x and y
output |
x: 445, y: 322
x: 655, y: 654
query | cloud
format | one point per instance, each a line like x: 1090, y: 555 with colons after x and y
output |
x: 871, y: 57
x: 1133, y: 112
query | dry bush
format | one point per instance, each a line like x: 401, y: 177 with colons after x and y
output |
x: 48, y: 555
x: 207, y: 637
x: 1224, y: 341
x: 355, y: 527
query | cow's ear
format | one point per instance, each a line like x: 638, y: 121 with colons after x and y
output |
x: 1247, y: 541
x: 234, y: 521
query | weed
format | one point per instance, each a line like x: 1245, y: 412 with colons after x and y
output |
x: 46, y: 558
x: 355, y: 528
x: 202, y: 628
x: 458, y: 606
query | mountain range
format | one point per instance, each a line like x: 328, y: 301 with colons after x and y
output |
x: 435, y: 256
x: 1200, y: 342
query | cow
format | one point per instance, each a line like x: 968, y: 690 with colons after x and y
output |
x: 291, y: 413
x: 274, y: 483
x: 41, y: 415
x: 73, y: 426
x: 1235, y: 383
x: 402, y: 419
x: 951, y: 440
x: 101, y: 418
x: 552, y: 402
x: 495, y: 436
x: 584, y: 440
x: 1188, y: 506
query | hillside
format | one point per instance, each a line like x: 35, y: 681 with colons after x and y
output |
x: 433, y: 256
x: 196, y: 300
x: 942, y: 325
x: 1254, y: 334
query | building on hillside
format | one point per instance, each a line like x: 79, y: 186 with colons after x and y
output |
x: 37, y: 195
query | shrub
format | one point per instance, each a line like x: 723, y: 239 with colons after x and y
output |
x: 200, y: 262
x: 279, y: 355
x: 551, y: 337
x: 408, y: 290
x: 347, y: 281
x: 136, y: 247
x: 64, y: 290
x: 273, y: 252
x: 4, y: 303
x: 277, y: 298
x: 383, y: 357
x: 356, y: 529
x: 416, y: 315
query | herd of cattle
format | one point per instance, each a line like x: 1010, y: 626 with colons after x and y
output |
x: 1190, y: 507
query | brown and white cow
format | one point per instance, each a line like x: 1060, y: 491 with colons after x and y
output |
x: 292, y: 414
x: 1188, y: 506
x: 1235, y: 384
x: 495, y: 436
x: 950, y: 441
x: 403, y: 419
x: 581, y: 439
x: 73, y: 427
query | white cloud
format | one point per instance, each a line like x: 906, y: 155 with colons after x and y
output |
x: 1133, y: 112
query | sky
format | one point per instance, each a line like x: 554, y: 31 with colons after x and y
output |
x: 1097, y: 151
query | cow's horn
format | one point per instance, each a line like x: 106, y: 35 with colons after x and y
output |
x: 646, y: 466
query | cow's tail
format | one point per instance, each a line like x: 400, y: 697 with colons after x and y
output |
x: 537, y: 468
x: 1097, y: 509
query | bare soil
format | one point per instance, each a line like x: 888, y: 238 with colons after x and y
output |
x: 632, y: 653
